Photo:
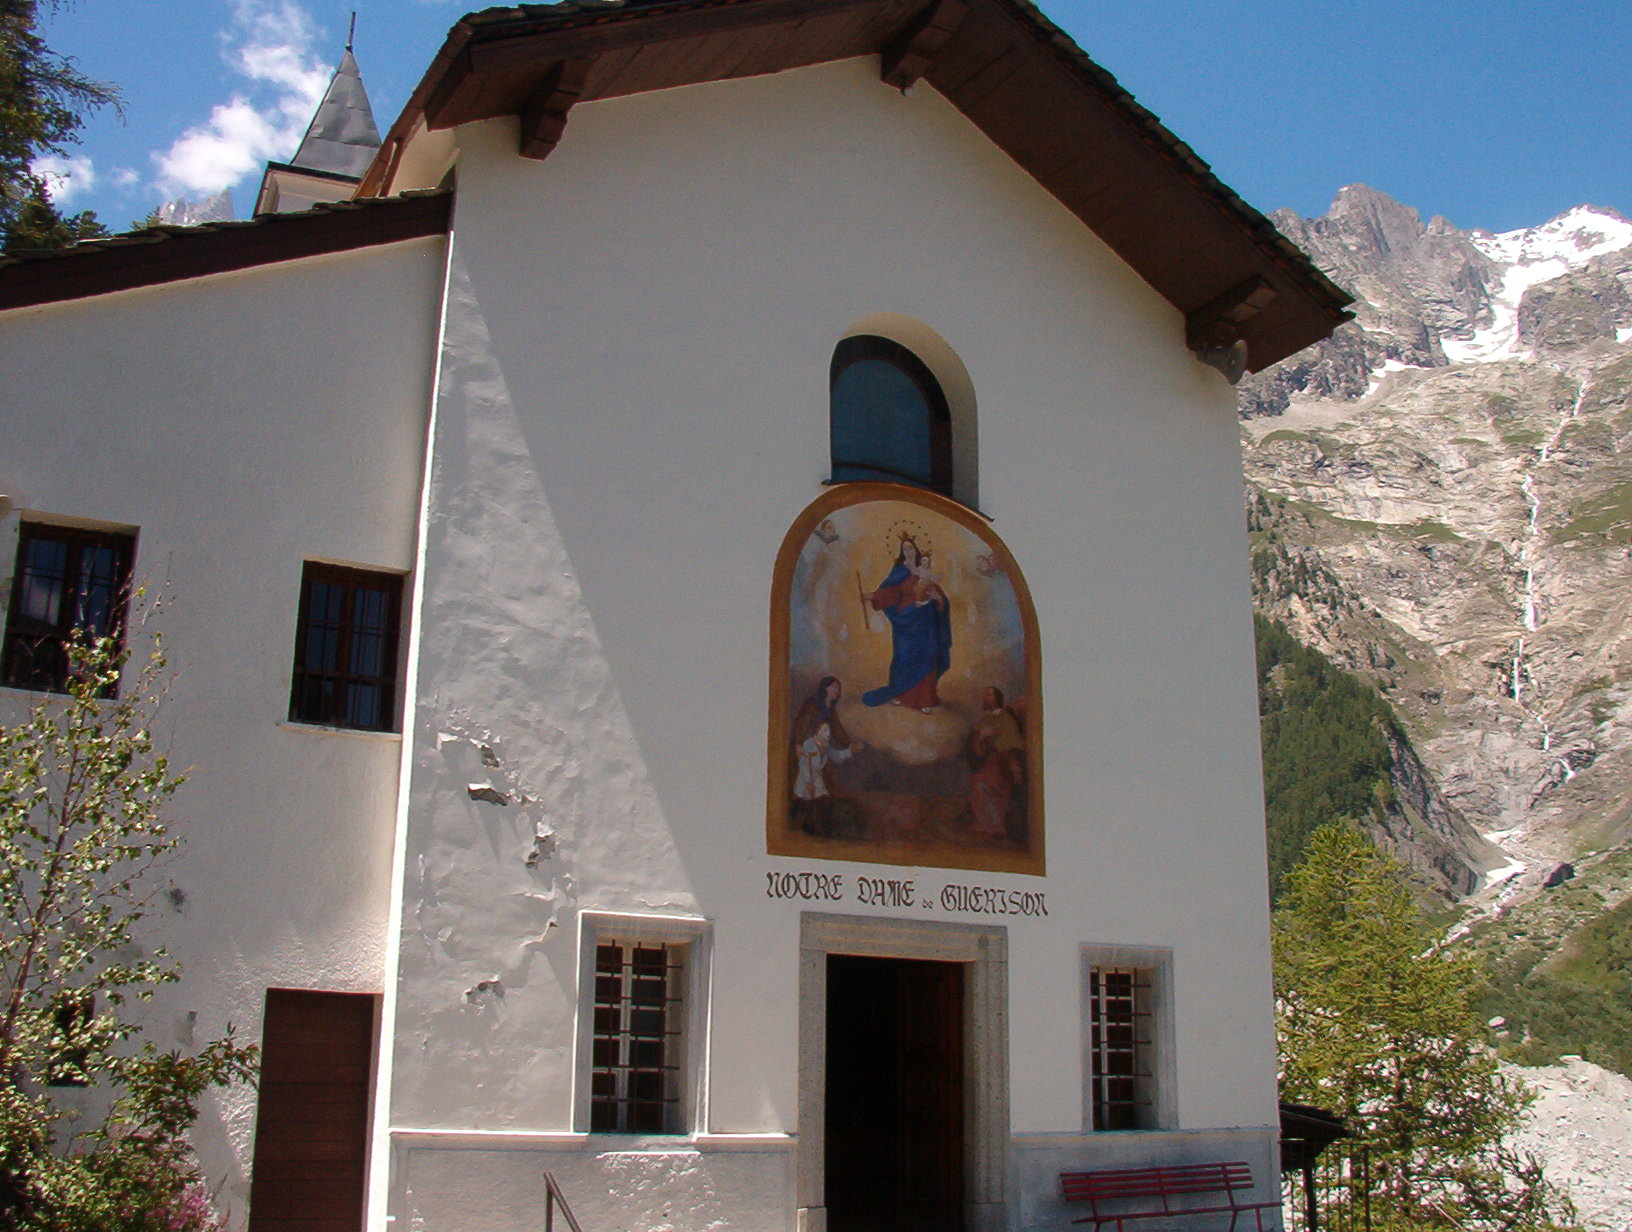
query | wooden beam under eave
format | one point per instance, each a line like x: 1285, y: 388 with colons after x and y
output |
x: 544, y: 114
x: 908, y: 56
x: 1218, y: 322
x: 638, y: 26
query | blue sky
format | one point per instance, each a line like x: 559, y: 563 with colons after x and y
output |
x: 1495, y: 113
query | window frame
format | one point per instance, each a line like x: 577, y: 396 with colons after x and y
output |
x: 692, y: 937
x: 19, y: 646
x: 349, y: 578
x: 860, y: 348
x: 1153, y: 1066
x: 73, y: 1012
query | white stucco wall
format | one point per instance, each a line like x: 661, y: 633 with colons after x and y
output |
x: 632, y: 408
x: 629, y: 409
x: 243, y: 423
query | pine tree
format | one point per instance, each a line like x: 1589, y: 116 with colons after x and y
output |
x: 43, y: 101
x: 37, y: 223
x: 1377, y: 1024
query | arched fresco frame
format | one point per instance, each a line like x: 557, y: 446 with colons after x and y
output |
x: 884, y: 779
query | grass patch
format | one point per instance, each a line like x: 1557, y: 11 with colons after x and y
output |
x: 1607, y: 516
x: 1577, y: 1002
x: 1430, y: 531
x: 1283, y: 434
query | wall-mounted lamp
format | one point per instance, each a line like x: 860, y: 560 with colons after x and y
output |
x: 1230, y: 360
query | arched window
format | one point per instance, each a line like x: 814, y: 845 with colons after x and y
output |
x: 889, y: 417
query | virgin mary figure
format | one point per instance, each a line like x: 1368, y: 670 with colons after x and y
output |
x: 920, y: 631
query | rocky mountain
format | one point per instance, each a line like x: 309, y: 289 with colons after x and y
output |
x: 184, y: 213
x: 1443, y: 496
x: 1440, y: 500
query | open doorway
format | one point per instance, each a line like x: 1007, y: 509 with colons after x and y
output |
x: 894, y: 1145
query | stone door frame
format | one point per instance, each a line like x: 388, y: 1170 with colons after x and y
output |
x: 984, y: 949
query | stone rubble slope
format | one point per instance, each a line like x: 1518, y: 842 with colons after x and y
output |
x: 1581, y: 1124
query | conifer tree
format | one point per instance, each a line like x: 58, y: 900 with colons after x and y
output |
x: 43, y: 101
x: 1377, y: 1024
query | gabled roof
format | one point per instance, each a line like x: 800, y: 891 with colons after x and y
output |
x: 1012, y: 72
x: 342, y: 138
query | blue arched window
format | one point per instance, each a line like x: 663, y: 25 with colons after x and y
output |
x: 889, y: 417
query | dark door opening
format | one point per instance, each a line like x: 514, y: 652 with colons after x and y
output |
x: 894, y: 1146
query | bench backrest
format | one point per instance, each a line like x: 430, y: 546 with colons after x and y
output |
x: 1158, y: 1182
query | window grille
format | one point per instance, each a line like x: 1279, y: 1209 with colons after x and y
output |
x: 67, y: 581
x: 1119, y: 1026
x: 346, y: 648
x: 636, y: 1068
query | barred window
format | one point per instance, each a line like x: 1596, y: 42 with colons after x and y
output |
x: 637, y: 1066
x: 346, y: 648
x: 1120, y: 1048
x: 68, y: 581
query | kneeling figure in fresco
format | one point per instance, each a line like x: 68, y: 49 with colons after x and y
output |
x: 997, y: 765
x: 819, y: 738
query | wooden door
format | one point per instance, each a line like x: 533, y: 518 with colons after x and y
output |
x: 930, y: 1050
x: 311, y: 1122
x: 894, y: 1111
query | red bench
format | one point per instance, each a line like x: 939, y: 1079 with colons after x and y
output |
x: 1200, y: 1189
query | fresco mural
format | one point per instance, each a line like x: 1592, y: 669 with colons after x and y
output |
x: 906, y: 712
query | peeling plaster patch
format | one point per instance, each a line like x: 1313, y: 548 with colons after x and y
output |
x: 543, y: 846
x: 489, y: 757
x: 487, y: 792
x: 183, y: 1028
x: 550, y: 925
x: 486, y: 988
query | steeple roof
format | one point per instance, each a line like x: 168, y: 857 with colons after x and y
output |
x: 342, y: 138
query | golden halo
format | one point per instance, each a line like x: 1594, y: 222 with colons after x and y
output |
x: 911, y: 530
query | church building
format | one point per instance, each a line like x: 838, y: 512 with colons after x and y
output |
x: 705, y: 580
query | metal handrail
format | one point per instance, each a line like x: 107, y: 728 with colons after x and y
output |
x: 553, y: 1197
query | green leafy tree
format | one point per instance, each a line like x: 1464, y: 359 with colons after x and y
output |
x: 1379, y: 1025
x: 43, y: 101
x: 83, y: 793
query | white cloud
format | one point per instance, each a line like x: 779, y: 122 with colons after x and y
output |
x: 269, y: 44
x: 65, y: 177
x: 125, y: 178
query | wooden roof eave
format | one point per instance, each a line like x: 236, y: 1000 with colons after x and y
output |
x: 1014, y: 74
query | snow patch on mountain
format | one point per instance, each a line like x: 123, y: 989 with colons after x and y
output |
x: 1574, y: 237
x: 1378, y: 374
x: 1535, y: 255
